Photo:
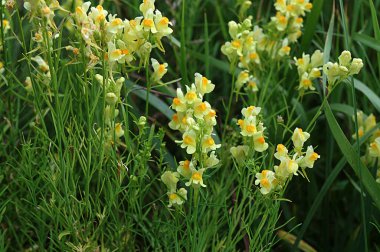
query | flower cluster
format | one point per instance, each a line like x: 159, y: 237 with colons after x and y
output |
x: 124, y: 39
x: 290, y: 163
x: 252, y: 130
x: 337, y: 72
x: 367, y: 124
x: 195, y: 119
x: 309, y: 68
x: 176, y: 197
x: 251, y: 45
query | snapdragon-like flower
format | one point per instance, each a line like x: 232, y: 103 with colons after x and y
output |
x: 337, y: 72
x: 309, y: 69
x: 126, y: 40
x: 291, y: 162
x: 176, y: 197
x: 195, y: 119
x: 252, y: 128
x: 159, y: 70
x: 299, y: 138
x: 250, y: 46
x: 267, y: 181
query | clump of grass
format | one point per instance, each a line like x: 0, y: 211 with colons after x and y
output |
x: 103, y: 149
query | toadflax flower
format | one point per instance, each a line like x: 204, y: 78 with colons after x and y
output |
x: 195, y: 119
x: 267, y: 181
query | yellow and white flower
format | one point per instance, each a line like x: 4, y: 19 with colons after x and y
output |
x: 374, y: 148
x: 178, y: 197
x: 159, y: 70
x: 185, y: 168
x: 204, y: 85
x: 189, y: 141
x: 179, y: 102
x: 170, y: 179
x: 281, y: 152
x: 310, y: 157
x: 196, y: 179
x: 299, y: 138
x: 267, y: 181
x: 259, y: 142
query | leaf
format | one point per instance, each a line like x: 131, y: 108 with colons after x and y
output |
x: 367, y: 40
x: 153, y: 100
x: 352, y: 157
x: 375, y: 100
x: 311, y: 23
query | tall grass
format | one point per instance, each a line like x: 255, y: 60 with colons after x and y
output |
x: 65, y: 186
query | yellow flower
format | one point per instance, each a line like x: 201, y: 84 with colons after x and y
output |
x: 147, y: 5
x: 250, y: 111
x: 189, y: 141
x: 170, y: 179
x: 374, y: 148
x: 196, y: 178
x: 177, y: 198
x: 281, y: 152
x: 185, y: 168
x: 175, y: 123
x: 208, y: 144
x: 259, y: 142
x: 203, y: 84
x: 201, y: 109
x: 191, y: 95
x: 179, y: 102
x: 114, y: 25
x: 299, y: 138
x: 42, y: 65
x: 119, y: 132
x: 98, y: 14
x: 211, y: 160
x: 310, y: 158
x: 267, y: 181
x: 159, y: 70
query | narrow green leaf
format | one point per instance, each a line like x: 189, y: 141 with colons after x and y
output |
x: 376, y: 27
x: 153, y: 100
x: 311, y: 23
x: 372, y: 96
x: 367, y: 40
x: 353, y: 157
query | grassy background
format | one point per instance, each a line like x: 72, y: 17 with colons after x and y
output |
x: 53, y: 182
